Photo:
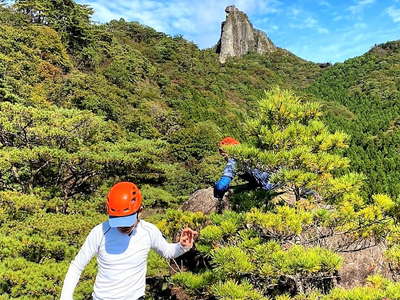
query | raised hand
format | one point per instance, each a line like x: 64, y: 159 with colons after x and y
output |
x: 187, y: 237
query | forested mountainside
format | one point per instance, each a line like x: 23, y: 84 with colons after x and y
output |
x: 83, y: 106
x: 366, y: 90
x: 152, y: 85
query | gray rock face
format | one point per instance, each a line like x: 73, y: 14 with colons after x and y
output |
x: 238, y: 37
x: 204, y: 201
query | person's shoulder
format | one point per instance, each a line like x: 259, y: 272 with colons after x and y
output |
x: 148, y: 226
x: 100, y: 229
x: 151, y: 229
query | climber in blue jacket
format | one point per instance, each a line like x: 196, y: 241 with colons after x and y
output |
x: 257, y: 177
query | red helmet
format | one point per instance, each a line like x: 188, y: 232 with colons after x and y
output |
x: 123, y: 199
x: 228, y: 141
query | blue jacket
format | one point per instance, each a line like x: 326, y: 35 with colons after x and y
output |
x: 260, y: 178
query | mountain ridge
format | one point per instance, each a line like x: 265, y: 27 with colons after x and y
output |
x: 130, y: 103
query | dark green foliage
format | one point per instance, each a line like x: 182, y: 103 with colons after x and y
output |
x: 83, y: 106
x: 367, y: 87
x: 376, y: 288
x: 70, y: 152
x: 276, y: 248
x: 72, y: 20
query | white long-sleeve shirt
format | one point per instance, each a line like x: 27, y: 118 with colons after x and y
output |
x: 121, y: 260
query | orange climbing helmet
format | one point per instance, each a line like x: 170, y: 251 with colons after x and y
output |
x: 228, y: 141
x: 124, y: 201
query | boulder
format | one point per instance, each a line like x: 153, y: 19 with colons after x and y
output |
x: 204, y: 201
x: 325, y: 65
x: 359, y: 265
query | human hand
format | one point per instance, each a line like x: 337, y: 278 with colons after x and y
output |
x: 187, y: 237
x: 224, y: 154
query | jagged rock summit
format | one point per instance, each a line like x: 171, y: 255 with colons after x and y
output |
x: 239, y: 37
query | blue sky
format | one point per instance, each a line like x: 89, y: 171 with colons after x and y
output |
x: 316, y: 30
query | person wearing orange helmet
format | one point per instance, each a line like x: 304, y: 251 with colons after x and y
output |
x: 255, y: 176
x: 122, y: 244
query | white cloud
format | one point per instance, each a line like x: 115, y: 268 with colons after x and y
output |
x: 250, y: 6
x: 310, y: 23
x: 104, y: 13
x: 274, y: 28
x: 260, y: 20
x: 359, y: 6
x: 359, y: 37
x: 200, y: 21
x: 360, y: 26
x: 295, y: 11
x: 324, y: 3
x: 394, y: 13
x: 337, y: 18
x: 322, y: 30
x: 333, y: 51
x: 195, y: 20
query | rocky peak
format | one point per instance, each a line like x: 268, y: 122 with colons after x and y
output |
x: 239, y: 37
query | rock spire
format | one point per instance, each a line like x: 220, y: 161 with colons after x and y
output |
x: 238, y: 37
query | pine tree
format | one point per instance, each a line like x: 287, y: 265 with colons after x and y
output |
x: 289, y: 140
x: 70, y: 152
x: 288, y: 246
x: 70, y: 19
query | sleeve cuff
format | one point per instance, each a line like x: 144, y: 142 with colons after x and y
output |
x: 184, y: 249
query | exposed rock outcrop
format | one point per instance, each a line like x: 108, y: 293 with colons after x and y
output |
x: 324, y: 65
x: 361, y: 264
x: 204, y: 201
x: 238, y: 37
